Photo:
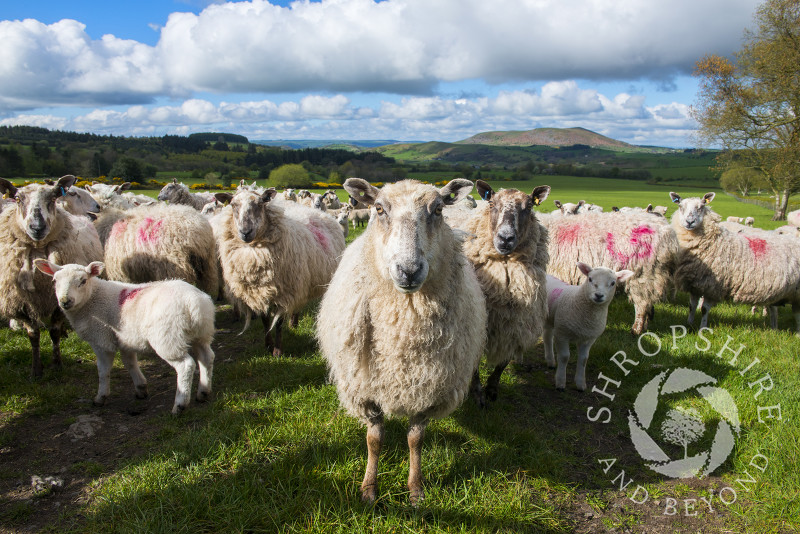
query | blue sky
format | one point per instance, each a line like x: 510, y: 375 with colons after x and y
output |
x: 359, y: 69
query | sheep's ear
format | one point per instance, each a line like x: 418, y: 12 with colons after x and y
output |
x: 676, y: 198
x: 557, y: 203
x: 46, y: 267
x: 623, y: 275
x: 585, y: 268
x: 455, y: 190
x: 649, y: 208
x: 174, y: 180
x: 540, y: 194
x: 48, y: 181
x: 614, y: 209
x: 64, y: 183
x: 362, y: 190
x: 92, y: 216
x: 87, y: 187
x: 95, y: 268
x: 223, y: 197
x: 708, y: 197
x: 125, y: 186
x: 269, y: 194
x: 7, y: 187
x: 581, y: 203
x: 485, y: 191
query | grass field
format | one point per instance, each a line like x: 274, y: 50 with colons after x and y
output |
x: 272, y: 451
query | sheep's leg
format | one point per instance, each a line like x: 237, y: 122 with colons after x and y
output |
x: 294, y: 320
x: 693, y: 301
x: 580, y: 369
x: 185, y: 369
x: 268, y: 343
x: 205, y: 360
x: 705, y: 307
x: 33, y: 337
x: 131, y: 363
x: 476, y: 390
x: 278, y: 350
x: 416, y: 433
x: 56, y: 330
x: 369, y: 487
x: 549, y: 356
x: 493, y: 382
x: 640, y: 319
x: 562, y: 352
x: 796, y: 313
x: 105, y: 360
x: 773, y: 317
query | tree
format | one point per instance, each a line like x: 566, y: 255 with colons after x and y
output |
x: 127, y: 169
x: 751, y: 108
x: 291, y: 175
x: 741, y: 180
x: 682, y: 427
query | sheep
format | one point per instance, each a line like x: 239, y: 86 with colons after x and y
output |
x: 787, y: 229
x: 793, y: 218
x: 359, y: 216
x: 341, y: 218
x: 304, y: 198
x: 171, y: 318
x: 403, y: 323
x: 37, y: 228
x: 332, y: 202
x: 76, y: 201
x: 159, y: 242
x: 641, y: 242
x: 749, y: 221
x: 739, y: 220
x: 177, y: 193
x: 509, y: 255
x: 469, y: 202
x: 110, y: 196
x: 276, y: 257
x: 318, y: 202
x: 357, y: 204
x: 590, y: 208
x: 290, y: 195
x: 577, y: 314
x: 568, y: 208
x: 718, y: 265
x: 211, y: 208
x: 661, y: 210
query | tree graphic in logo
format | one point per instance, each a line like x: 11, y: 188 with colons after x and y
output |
x: 683, y: 426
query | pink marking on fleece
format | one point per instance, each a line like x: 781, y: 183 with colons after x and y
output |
x: 568, y: 235
x: 119, y: 228
x: 148, y: 231
x: 552, y: 297
x: 758, y: 246
x: 319, y: 233
x: 641, y: 241
x: 127, y: 294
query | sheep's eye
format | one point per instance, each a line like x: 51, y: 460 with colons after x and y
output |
x: 438, y: 210
x: 83, y: 282
x: 613, y: 283
x: 73, y: 194
x: 590, y: 279
x: 379, y: 209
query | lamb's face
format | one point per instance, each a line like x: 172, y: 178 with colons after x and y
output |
x: 74, y: 284
x: 36, y: 209
x: 601, y: 282
x: 511, y: 214
x: 691, y: 210
x: 79, y: 201
x: 249, y: 214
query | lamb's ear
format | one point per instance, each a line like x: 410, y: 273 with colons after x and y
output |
x: 540, y: 193
x: 676, y: 198
x: 557, y: 203
x: 708, y: 197
x: 269, y: 194
x: 88, y: 187
x: 362, y: 190
x: 649, y: 208
x: 95, y: 268
x: 623, y: 275
x: 7, y: 187
x: 584, y: 268
x: 223, y: 197
x: 485, y: 190
x: 125, y: 186
x: 581, y: 203
x: 64, y: 183
x: 46, y: 267
x: 614, y: 209
x: 455, y: 190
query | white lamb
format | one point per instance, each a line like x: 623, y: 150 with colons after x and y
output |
x: 577, y: 314
x: 171, y: 318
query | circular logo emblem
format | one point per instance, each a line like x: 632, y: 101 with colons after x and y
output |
x: 683, y: 426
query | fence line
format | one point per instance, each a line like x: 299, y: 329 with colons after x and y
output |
x: 763, y: 203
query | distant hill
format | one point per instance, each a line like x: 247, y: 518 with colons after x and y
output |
x: 555, y: 137
x: 325, y: 143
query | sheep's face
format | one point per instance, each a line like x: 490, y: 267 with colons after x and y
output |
x: 74, y: 283
x: 248, y: 213
x: 318, y: 202
x: 570, y: 208
x: 80, y: 202
x: 170, y: 192
x: 601, y: 282
x: 342, y: 218
x: 691, y: 210
x: 210, y: 208
x: 408, y: 228
x: 511, y: 214
x: 36, y: 209
x: 106, y: 192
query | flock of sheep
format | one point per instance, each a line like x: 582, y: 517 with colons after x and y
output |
x: 436, y: 281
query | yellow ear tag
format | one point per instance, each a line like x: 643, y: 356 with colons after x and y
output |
x: 707, y: 201
x: 536, y: 201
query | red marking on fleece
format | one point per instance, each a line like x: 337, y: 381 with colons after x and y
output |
x: 641, y: 242
x: 552, y: 297
x: 319, y: 233
x: 568, y: 235
x: 119, y: 228
x: 758, y: 246
x: 127, y: 294
x: 148, y: 231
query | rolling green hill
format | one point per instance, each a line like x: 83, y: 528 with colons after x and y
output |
x: 553, y: 137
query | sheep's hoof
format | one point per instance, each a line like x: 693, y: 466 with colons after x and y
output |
x: 561, y: 388
x: 178, y: 409
x: 277, y: 352
x: 369, y: 493
x: 99, y: 401
x: 416, y: 496
x: 202, y: 396
x: 491, y: 393
x: 551, y: 365
x: 141, y: 392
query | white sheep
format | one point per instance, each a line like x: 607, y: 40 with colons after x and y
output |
x: 110, y: 196
x: 318, y: 202
x: 359, y: 217
x: 35, y: 227
x: 739, y: 220
x: 718, y: 265
x: 402, y: 325
x: 569, y: 208
x: 341, y: 218
x: 793, y: 218
x: 77, y: 201
x: 749, y: 221
x: 177, y: 193
x: 331, y: 200
x: 290, y: 195
x: 211, y: 208
x: 577, y: 314
x: 171, y: 318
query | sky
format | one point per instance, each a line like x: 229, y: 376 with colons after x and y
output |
x: 406, y: 70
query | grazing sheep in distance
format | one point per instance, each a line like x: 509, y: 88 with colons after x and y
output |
x: 359, y: 216
x: 290, y: 195
x: 37, y: 228
x: 568, y: 208
x: 739, y: 220
x: 577, y: 314
x: 509, y: 255
x: 717, y: 265
x: 276, y: 257
x: 171, y: 318
x: 402, y: 325
x: 331, y: 200
x: 177, y: 193
x: 318, y: 202
x: 749, y: 221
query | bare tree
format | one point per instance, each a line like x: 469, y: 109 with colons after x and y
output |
x: 682, y: 427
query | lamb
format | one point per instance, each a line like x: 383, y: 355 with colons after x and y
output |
x: 739, y: 220
x: 577, y: 314
x: 159, y: 242
x: 509, y: 255
x: 341, y: 218
x: 276, y: 257
x: 641, y: 242
x: 171, y: 318
x: 211, y: 208
x: 749, y: 221
x: 177, y: 193
x: 402, y: 325
x: 359, y: 217
x: 37, y: 228
x: 718, y: 265
x: 568, y: 208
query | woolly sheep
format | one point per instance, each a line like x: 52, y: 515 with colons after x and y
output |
x: 509, y: 255
x: 749, y: 221
x: 341, y: 218
x: 159, y: 242
x: 402, y: 325
x: 110, y: 196
x: 718, y: 265
x: 77, y: 201
x: 37, y: 228
x: 332, y: 201
x: 577, y: 314
x: 568, y: 208
x: 318, y: 202
x: 640, y: 242
x: 787, y: 229
x: 171, y: 318
x: 177, y: 193
x: 358, y: 216
x: 304, y: 198
x: 739, y: 220
x: 276, y: 257
x: 793, y: 218
x: 290, y: 195
x: 211, y: 208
